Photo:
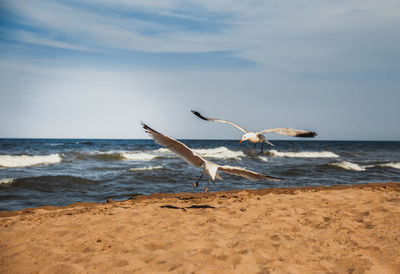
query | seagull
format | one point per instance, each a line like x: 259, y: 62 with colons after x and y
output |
x: 258, y: 137
x: 196, y: 160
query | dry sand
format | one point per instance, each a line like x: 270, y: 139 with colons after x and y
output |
x: 345, y: 229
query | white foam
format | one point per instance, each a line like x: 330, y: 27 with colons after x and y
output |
x: 145, y: 168
x: 138, y: 156
x: 393, y: 165
x: 219, y: 153
x: 263, y: 158
x: 350, y: 166
x: 163, y: 151
x: 28, y: 160
x: 6, y: 181
x: 304, y: 154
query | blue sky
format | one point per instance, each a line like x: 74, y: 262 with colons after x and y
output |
x: 94, y: 69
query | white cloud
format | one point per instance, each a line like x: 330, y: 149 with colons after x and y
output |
x: 293, y: 36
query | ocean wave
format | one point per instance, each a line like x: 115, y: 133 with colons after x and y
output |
x: 350, y: 166
x: 138, y: 156
x: 219, y: 153
x: 216, y: 153
x: 145, y: 168
x: 163, y: 151
x: 85, y: 143
x: 9, y: 161
x: 393, y: 165
x: 6, y: 181
x: 303, y: 154
x: 114, y: 155
x: 357, y: 167
x: 263, y: 158
x: 49, y: 182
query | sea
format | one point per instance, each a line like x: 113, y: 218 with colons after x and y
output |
x: 58, y: 172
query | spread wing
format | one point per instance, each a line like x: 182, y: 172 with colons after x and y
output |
x: 289, y: 132
x: 175, y: 146
x: 242, y: 129
x: 252, y: 175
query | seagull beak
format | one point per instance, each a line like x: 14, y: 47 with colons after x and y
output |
x: 241, y: 141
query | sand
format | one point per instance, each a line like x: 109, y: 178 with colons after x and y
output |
x: 344, y: 229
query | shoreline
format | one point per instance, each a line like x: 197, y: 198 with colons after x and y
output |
x: 337, y: 229
x: 393, y: 186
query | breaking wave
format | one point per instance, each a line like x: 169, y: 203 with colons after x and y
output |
x: 216, y: 153
x: 114, y: 155
x: 393, y: 165
x: 263, y: 158
x: 9, y: 161
x: 145, y: 168
x: 303, y: 154
x: 138, y: 156
x: 219, y: 153
x: 357, y: 167
x: 349, y: 166
x: 6, y: 181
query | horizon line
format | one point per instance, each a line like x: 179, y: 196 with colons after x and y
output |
x: 220, y: 139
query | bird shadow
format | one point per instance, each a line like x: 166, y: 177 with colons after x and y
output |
x: 188, y: 207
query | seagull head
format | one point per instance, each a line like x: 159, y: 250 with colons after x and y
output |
x: 244, y: 137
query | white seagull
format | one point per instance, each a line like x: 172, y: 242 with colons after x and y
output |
x: 196, y: 160
x: 258, y: 137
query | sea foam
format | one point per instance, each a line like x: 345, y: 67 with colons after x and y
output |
x: 219, y: 153
x: 303, y: 154
x: 393, y: 165
x: 357, y: 167
x: 145, y: 168
x: 9, y: 161
x: 216, y: 153
x: 349, y: 166
x: 138, y: 156
x: 6, y: 181
x: 263, y: 158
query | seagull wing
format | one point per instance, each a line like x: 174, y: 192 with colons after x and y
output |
x: 289, y: 132
x: 175, y: 146
x: 252, y: 175
x: 219, y: 120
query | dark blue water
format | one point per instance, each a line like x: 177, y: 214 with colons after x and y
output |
x: 35, y: 172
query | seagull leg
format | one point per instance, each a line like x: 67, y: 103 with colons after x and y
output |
x: 196, y: 184
x: 262, y: 148
x: 206, y: 188
x: 252, y: 151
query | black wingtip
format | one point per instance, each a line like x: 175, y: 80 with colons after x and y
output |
x: 147, y: 128
x: 199, y: 115
x: 307, y: 135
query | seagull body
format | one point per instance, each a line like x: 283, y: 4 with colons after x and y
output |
x: 258, y: 137
x: 196, y: 160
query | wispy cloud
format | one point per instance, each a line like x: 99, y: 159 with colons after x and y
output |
x: 288, y: 35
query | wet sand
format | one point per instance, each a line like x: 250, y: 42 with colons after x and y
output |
x: 341, y: 229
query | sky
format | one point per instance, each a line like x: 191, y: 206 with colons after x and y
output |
x: 96, y: 68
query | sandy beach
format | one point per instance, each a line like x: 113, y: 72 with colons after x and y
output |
x: 340, y: 229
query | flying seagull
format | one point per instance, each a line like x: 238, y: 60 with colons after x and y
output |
x: 258, y: 137
x: 196, y: 160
